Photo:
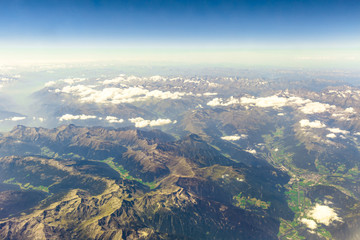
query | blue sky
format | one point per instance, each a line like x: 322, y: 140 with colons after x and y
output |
x: 200, y: 24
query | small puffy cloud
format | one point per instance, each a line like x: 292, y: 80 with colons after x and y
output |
x: 41, y: 119
x: 252, y: 151
x: 191, y: 81
x: 273, y: 101
x: 215, y: 102
x: 69, y: 81
x: 214, y: 85
x: 79, y: 90
x: 350, y: 110
x: 15, y: 119
x: 73, y: 80
x: 314, y: 124
x: 304, y: 105
x: 231, y: 138
x: 140, y: 122
x: 160, y: 122
x: 331, y: 135
x: 221, y: 102
x: 112, y: 119
x: 316, y: 107
x: 357, y: 133
x: 210, y: 94
x: 114, y: 80
x: 311, y: 224
x: 324, y: 214
x: 50, y: 84
x: 68, y: 117
x: 338, y: 130
x: 165, y: 95
x: 234, y: 137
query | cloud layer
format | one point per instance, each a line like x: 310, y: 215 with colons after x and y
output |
x: 86, y: 93
x: 306, y: 106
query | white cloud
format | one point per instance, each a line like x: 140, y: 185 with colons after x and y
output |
x: 50, y: 83
x: 305, y: 105
x: 220, y: 102
x: 231, y: 138
x: 211, y: 84
x: 68, y: 117
x: 357, y: 133
x: 132, y: 78
x: 191, y: 81
x: 114, y: 80
x: 79, y: 90
x: 338, y: 130
x: 15, y: 119
x: 160, y: 122
x: 140, y: 122
x: 311, y: 224
x: 112, y: 119
x: 165, y: 95
x: 234, y: 137
x: 323, y: 214
x: 316, y: 107
x: 350, y: 110
x: 73, y: 80
x: 314, y: 124
x: 252, y: 151
x: 273, y: 101
x: 41, y: 119
x: 118, y: 95
x: 331, y: 135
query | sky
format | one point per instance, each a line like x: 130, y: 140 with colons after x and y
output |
x: 293, y: 32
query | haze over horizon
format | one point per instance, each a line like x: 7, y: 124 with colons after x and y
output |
x: 251, y: 33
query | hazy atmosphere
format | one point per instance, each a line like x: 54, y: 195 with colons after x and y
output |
x: 241, y: 33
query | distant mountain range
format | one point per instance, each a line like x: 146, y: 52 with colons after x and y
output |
x: 184, y: 158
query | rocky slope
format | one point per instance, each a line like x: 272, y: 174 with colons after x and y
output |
x: 145, y: 185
